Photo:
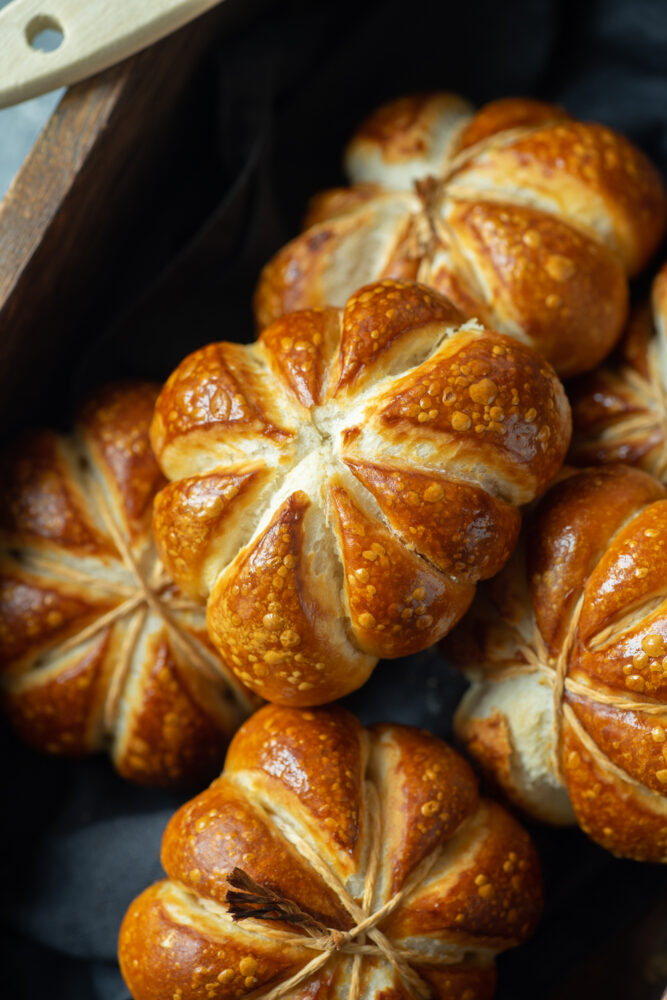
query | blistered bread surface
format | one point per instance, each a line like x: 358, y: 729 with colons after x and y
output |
x: 98, y: 648
x: 525, y: 218
x: 567, y: 649
x: 619, y: 410
x: 339, y: 821
x: 339, y: 486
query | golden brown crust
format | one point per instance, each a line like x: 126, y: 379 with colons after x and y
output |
x: 165, y: 954
x: 610, y: 811
x: 379, y: 318
x: 323, y: 788
x: 220, y: 830
x: 396, y: 600
x: 497, y: 399
x: 174, y: 731
x: 269, y: 629
x: 338, y: 201
x: 97, y: 649
x: 299, y: 790
x: 279, y: 279
x: 301, y: 348
x: 37, y: 613
x: 626, y: 738
x: 113, y: 425
x: 188, y: 516
x: 426, y: 792
x: 403, y: 129
x: 569, y: 541
x: 460, y: 983
x: 460, y: 287
x: 620, y: 409
x: 376, y: 239
x: 528, y: 220
x: 489, y: 743
x: 587, y: 603
x: 61, y: 713
x: 426, y: 510
x: 412, y: 441
x: 41, y: 500
x: 599, y: 171
x: 398, y: 126
x: 636, y: 565
x: 236, y: 400
x: 494, y: 899
x: 566, y: 293
x: 508, y: 113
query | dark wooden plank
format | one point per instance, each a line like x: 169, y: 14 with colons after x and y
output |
x: 78, y: 189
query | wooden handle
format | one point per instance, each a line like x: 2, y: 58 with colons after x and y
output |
x: 95, y: 34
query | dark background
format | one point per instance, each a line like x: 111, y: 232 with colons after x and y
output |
x: 273, y: 106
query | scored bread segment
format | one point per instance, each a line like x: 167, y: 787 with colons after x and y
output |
x: 567, y: 290
x: 396, y: 599
x: 202, y: 520
x: 425, y: 509
x: 407, y: 140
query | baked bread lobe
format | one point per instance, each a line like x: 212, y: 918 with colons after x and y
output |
x: 567, y: 651
x: 525, y: 218
x: 98, y: 648
x: 619, y: 410
x: 342, y: 826
x: 340, y: 485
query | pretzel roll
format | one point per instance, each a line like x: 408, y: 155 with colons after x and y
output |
x: 525, y: 218
x: 620, y: 410
x: 567, y: 652
x: 272, y: 870
x: 340, y: 485
x: 98, y: 648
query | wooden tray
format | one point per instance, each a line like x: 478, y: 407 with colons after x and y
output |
x: 63, y: 228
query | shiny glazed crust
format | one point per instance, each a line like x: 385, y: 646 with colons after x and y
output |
x: 586, y: 593
x: 303, y: 802
x: 340, y: 485
x: 525, y: 218
x: 98, y: 649
x: 619, y: 411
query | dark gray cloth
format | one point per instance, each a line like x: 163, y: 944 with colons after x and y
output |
x: 277, y: 104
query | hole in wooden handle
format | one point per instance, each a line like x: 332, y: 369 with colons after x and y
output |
x: 44, y: 33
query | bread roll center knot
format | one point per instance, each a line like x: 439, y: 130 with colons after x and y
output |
x: 247, y: 899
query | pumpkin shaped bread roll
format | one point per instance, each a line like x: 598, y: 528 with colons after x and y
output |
x: 524, y: 217
x: 567, y: 651
x: 339, y: 486
x: 98, y: 648
x: 619, y: 411
x: 332, y: 860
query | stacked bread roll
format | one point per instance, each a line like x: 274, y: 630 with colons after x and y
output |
x: 524, y: 217
x: 339, y: 486
x: 369, y: 865
x: 567, y: 649
x: 620, y: 410
x: 98, y: 648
